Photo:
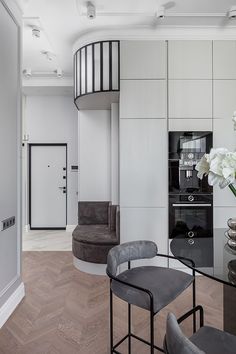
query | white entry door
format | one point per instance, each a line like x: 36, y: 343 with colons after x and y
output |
x: 48, y: 176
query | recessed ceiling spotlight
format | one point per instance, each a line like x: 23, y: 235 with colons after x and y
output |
x: 160, y: 12
x: 232, y: 12
x: 59, y: 72
x: 27, y: 72
x: 36, y: 32
x: 91, y: 10
x: 49, y: 55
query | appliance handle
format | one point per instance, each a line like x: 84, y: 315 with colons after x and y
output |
x: 192, y: 205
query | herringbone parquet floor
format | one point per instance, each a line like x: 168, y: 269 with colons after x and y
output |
x: 66, y: 311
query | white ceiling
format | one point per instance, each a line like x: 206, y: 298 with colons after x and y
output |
x: 63, y: 21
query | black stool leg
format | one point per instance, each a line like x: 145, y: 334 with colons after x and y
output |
x: 152, y: 332
x: 129, y: 328
x: 194, y: 304
x: 111, y: 320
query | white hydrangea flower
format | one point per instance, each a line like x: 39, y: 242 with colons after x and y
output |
x: 219, y: 165
x: 234, y: 119
x: 203, y: 167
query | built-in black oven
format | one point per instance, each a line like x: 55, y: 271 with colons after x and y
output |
x: 190, y: 216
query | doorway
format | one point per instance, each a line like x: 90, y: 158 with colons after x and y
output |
x: 47, y: 186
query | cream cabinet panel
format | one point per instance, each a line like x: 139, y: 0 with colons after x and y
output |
x: 190, y: 124
x: 190, y: 99
x: 143, y: 163
x: 224, y: 98
x: 143, y: 99
x: 224, y: 59
x: 224, y: 197
x: 221, y: 215
x: 145, y: 224
x: 190, y: 59
x: 224, y: 133
x: 143, y: 59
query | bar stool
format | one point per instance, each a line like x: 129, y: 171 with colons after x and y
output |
x: 148, y: 287
x: 207, y: 340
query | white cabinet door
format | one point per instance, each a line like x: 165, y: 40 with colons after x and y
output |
x: 145, y: 224
x: 190, y: 99
x: 224, y: 98
x: 143, y: 163
x: 143, y: 99
x: 143, y: 59
x: 190, y: 59
x: 190, y: 124
x: 224, y: 59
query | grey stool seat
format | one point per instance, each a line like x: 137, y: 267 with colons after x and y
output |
x: 214, y: 341
x: 165, y: 284
x: 207, y: 340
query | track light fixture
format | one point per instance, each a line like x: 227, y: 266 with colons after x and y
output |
x: 27, y: 72
x: 232, y: 12
x: 49, y: 55
x: 160, y: 12
x: 91, y: 10
x: 36, y: 32
x: 59, y: 72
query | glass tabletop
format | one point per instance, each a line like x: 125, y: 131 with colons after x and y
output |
x: 211, y: 255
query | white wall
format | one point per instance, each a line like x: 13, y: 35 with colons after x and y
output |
x: 94, y: 155
x: 54, y: 119
x: 11, y: 286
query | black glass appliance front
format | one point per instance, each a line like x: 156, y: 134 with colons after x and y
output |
x: 190, y: 216
x: 185, y: 150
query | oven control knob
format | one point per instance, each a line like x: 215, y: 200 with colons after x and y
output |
x: 191, y: 198
x: 191, y: 242
x: 191, y: 234
x: 190, y: 155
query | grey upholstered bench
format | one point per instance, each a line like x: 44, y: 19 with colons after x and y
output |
x: 98, y: 231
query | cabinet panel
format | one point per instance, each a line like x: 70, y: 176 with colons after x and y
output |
x: 224, y: 133
x: 224, y: 59
x: 190, y: 124
x: 224, y: 197
x: 223, y: 128
x: 224, y: 98
x: 145, y: 224
x: 190, y: 99
x: 143, y: 99
x: 143, y: 59
x: 143, y: 163
x: 190, y: 59
x: 221, y: 215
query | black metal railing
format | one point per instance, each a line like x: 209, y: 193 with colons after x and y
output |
x: 96, y: 68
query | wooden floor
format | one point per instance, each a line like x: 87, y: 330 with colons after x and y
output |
x: 66, y: 311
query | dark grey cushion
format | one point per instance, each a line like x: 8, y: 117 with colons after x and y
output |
x: 175, y: 340
x: 92, y: 213
x: 112, y: 217
x: 164, y: 283
x: 214, y: 341
x: 129, y: 251
x: 95, y: 234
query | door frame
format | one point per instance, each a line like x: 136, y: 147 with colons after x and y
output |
x: 30, y: 196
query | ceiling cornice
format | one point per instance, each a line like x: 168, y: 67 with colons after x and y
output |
x: 160, y: 33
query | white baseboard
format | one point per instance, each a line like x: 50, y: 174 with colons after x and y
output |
x: 90, y: 268
x: 70, y: 228
x: 27, y: 228
x: 10, y: 305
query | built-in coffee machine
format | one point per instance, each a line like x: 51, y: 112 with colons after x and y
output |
x: 190, y: 199
x: 185, y: 150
